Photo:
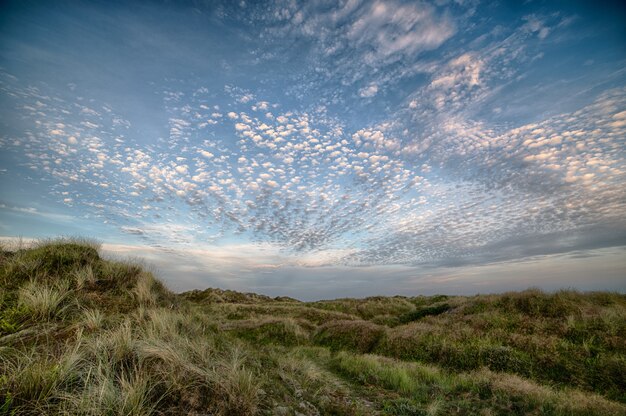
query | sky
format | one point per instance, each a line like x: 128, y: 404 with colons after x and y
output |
x: 323, y: 149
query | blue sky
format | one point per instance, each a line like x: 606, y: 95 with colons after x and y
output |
x: 323, y: 148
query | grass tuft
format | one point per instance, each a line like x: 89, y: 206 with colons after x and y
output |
x: 43, y: 302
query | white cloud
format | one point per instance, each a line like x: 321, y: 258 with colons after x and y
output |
x: 369, y: 91
x: 393, y: 28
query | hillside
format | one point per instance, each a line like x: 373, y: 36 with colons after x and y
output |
x: 87, y: 336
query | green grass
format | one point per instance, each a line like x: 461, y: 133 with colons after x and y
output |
x: 81, y: 335
x: 480, y: 390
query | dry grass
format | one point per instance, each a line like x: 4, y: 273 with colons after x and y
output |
x: 93, y: 319
x: 143, y: 290
x: 84, y: 277
x: 43, y: 302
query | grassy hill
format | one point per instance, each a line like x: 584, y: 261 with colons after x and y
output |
x: 80, y: 335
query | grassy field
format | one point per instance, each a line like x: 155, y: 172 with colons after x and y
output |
x: 80, y: 335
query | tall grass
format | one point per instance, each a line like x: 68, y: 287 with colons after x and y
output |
x: 84, y: 276
x: 239, y: 389
x: 93, y: 319
x: 143, y: 290
x: 44, y: 302
x: 482, y: 389
x: 33, y: 381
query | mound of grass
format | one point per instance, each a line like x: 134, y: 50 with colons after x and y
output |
x: 285, y: 331
x: 361, y: 336
x: 368, y: 308
x: 212, y: 295
x: 48, y: 260
x: 84, y: 335
x: 535, y: 303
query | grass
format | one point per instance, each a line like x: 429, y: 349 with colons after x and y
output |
x: 83, y: 335
x: 43, y: 302
x: 481, y: 390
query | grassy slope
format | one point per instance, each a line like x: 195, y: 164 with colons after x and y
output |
x: 81, y: 335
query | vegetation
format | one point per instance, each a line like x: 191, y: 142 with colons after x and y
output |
x: 80, y: 335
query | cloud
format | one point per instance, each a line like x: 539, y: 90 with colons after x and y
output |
x: 369, y: 91
x: 353, y: 41
x: 393, y: 28
x: 28, y: 211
